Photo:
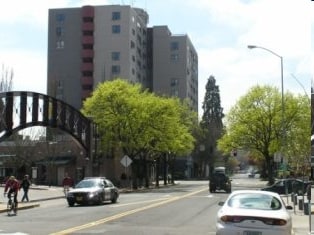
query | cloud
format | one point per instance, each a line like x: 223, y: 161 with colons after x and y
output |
x: 29, y: 70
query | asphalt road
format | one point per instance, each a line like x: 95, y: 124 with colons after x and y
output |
x: 186, y: 208
x: 179, y: 210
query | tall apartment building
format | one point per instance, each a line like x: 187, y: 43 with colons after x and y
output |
x: 174, y: 65
x: 92, y: 44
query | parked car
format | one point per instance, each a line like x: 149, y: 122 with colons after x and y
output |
x: 93, y: 190
x: 219, y: 181
x: 288, y: 186
x: 253, y: 212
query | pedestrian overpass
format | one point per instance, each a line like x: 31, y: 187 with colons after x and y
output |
x: 23, y: 109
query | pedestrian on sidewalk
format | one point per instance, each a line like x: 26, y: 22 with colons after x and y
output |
x: 67, y: 183
x: 26, y: 183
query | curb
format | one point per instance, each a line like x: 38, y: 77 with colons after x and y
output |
x: 22, y: 207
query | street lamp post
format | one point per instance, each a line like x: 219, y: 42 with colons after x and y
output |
x: 283, y: 129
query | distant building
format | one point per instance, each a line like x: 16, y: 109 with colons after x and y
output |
x: 173, y: 65
x: 93, y: 44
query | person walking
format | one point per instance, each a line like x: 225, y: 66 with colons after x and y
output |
x: 26, y: 183
x: 67, y: 183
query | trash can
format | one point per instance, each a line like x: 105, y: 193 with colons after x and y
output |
x: 301, y: 204
x: 306, y: 208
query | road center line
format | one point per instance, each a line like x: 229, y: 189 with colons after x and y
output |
x: 140, y: 202
x: 126, y: 213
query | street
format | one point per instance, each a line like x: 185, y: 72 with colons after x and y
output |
x: 186, y: 208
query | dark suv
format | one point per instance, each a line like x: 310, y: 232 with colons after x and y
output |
x: 219, y: 181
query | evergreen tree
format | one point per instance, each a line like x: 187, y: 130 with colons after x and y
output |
x: 211, y: 123
x: 213, y: 113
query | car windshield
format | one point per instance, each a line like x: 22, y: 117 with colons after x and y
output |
x: 87, y: 184
x: 254, y: 201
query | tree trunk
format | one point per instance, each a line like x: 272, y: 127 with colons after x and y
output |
x: 157, y: 171
x: 134, y: 174
x: 146, y: 173
x: 172, y: 168
x: 165, y: 173
x: 270, y: 174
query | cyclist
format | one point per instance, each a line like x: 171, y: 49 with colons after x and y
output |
x: 12, y: 186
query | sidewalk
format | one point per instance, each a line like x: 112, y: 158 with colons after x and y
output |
x: 37, y: 194
x: 300, y: 221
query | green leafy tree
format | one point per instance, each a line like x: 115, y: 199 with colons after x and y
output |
x: 298, y: 147
x: 138, y: 123
x: 211, y: 124
x: 255, y: 124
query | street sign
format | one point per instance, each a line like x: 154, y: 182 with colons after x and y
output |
x: 126, y: 161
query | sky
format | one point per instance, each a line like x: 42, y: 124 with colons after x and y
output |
x: 220, y: 31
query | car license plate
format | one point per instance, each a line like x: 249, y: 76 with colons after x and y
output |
x: 79, y: 198
x: 252, y: 233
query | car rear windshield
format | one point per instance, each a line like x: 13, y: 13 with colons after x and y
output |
x: 254, y: 201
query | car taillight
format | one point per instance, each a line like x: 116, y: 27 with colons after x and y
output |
x: 238, y: 219
x: 231, y: 218
x: 278, y: 222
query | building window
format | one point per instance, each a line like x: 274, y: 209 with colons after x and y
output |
x: 174, y: 46
x: 174, y: 57
x: 115, y: 56
x: 60, y: 17
x: 174, y: 91
x: 59, y: 31
x: 88, y: 19
x: 88, y: 46
x: 87, y: 73
x: 132, y: 44
x: 116, y: 29
x: 116, y: 15
x: 174, y: 82
x: 88, y: 33
x: 87, y: 87
x: 115, y: 69
x: 60, y: 44
x: 87, y: 60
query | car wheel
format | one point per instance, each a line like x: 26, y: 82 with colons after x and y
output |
x: 100, y: 200
x: 115, y: 198
x: 71, y: 204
